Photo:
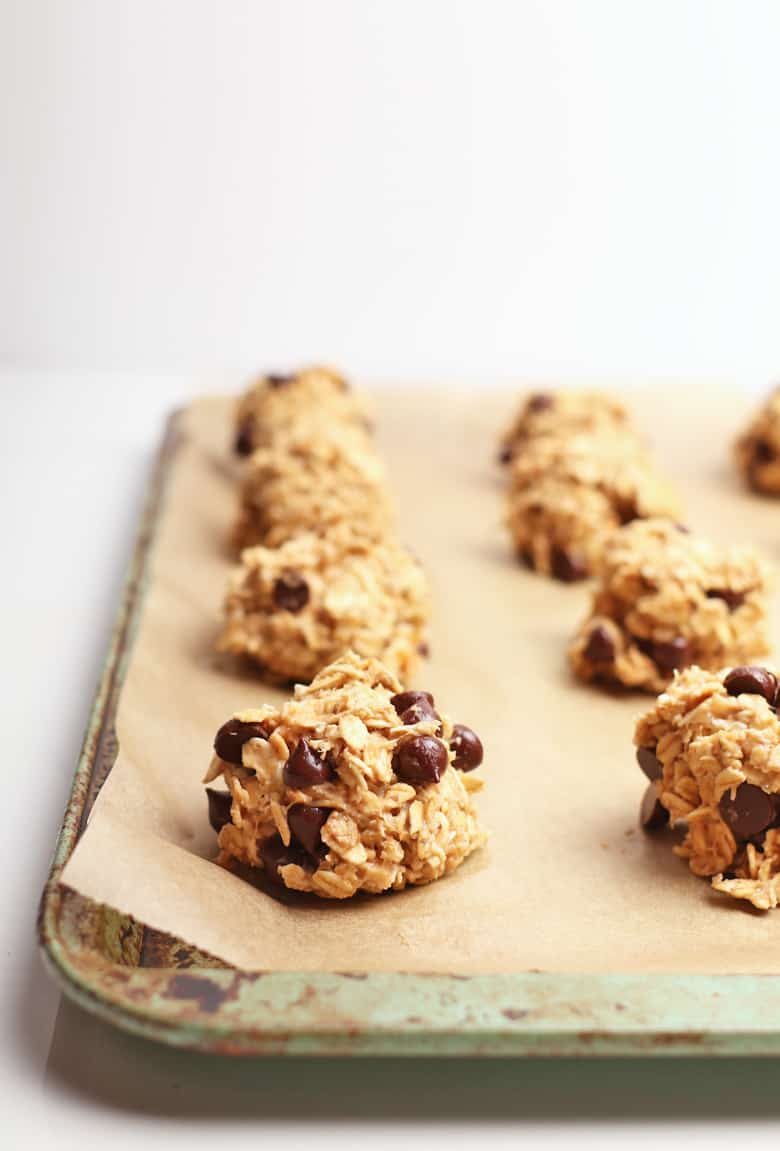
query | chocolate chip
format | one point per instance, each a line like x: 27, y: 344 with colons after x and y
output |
x: 652, y: 813
x: 540, y: 402
x: 418, y: 713
x: 219, y: 807
x: 405, y: 699
x: 763, y: 452
x: 674, y: 654
x: 232, y: 736
x: 291, y: 591
x: 306, y: 767
x: 600, y: 647
x: 752, y: 681
x: 505, y: 455
x: 412, y: 706
x: 667, y: 655
x: 274, y: 855
x: 627, y: 511
x: 306, y: 822
x: 244, y: 442
x: 279, y: 381
x: 424, y: 650
x: 733, y: 599
x: 420, y: 759
x: 467, y: 747
x: 750, y: 812
x: 567, y: 567
x: 649, y: 762
x: 527, y: 557
x: 686, y: 531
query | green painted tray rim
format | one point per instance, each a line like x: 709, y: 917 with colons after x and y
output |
x: 166, y: 990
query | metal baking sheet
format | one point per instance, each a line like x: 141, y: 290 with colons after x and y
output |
x: 164, y: 988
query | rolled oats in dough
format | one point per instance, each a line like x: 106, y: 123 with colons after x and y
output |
x: 710, y: 746
x: 275, y: 404
x: 666, y: 600
x: 295, y: 608
x: 562, y: 414
x: 352, y: 785
x: 568, y: 493
x: 312, y: 479
x: 758, y: 448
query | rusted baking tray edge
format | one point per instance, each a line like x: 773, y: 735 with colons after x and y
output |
x: 163, y: 988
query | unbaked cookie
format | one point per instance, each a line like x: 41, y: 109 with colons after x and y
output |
x: 277, y: 403
x: 312, y: 479
x: 710, y: 746
x: 295, y: 608
x: 758, y: 449
x: 352, y: 785
x: 667, y: 599
x: 562, y: 414
x: 566, y: 495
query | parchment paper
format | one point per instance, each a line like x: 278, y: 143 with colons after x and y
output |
x: 567, y: 883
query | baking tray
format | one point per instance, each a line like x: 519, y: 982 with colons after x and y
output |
x: 163, y: 988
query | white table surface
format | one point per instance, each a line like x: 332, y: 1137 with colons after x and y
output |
x: 75, y: 458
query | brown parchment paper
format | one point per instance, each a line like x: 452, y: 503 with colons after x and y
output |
x: 567, y: 882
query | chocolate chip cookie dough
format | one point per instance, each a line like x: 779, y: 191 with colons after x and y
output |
x: 758, y: 449
x: 710, y: 747
x: 295, y: 608
x: 352, y: 785
x: 276, y: 404
x: 562, y: 414
x: 667, y: 599
x: 312, y: 479
x: 567, y: 494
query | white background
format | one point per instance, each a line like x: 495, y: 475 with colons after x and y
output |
x: 406, y: 187
x: 191, y: 191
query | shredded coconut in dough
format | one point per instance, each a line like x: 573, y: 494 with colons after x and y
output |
x: 758, y: 448
x: 276, y: 404
x: 667, y: 599
x: 562, y: 414
x: 568, y: 493
x: 294, y: 608
x: 362, y: 828
x: 709, y: 744
x: 312, y: 479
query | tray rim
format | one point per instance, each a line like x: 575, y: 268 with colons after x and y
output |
x: 228, y: 1011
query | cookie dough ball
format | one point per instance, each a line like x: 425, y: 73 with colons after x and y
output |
x: 710, y: 747
x: 562, y: 414
x: 295, y: 608
x: 567, y: 496
x: 276, y: 404
x: 666, y: 600
x: 758, y: 449
x: 311, y: 480
x: 352, y: 785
